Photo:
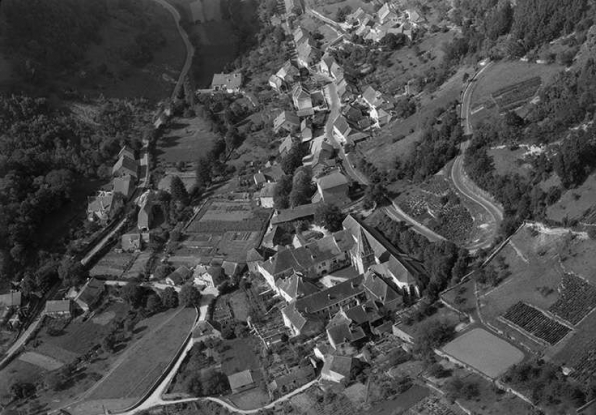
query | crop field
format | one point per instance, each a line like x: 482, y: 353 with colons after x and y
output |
x: 536, y: 323
x: 138, y: 266
x: 187, y: 140
x: 577, y: 298
x: 40, y: 360
x: 484, y: 352
x: 503, y: 75
x: 145, y: 362
x: 513, y: 96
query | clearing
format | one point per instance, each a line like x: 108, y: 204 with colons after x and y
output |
x: 484, y: 352
x: 187, y: 140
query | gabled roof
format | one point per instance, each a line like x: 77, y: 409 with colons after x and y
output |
x: 204, y: 328
x: 343, y: 333
x: 341, y: 365
x: 90, y: 291
x: 126, y: 165
x: 286, y: 145
x: 123, y: 185
x: 268, y: 190
x: 273, y: 173
x: 295, y: 286
x: 299, y: 33
x: 294, y: 316
x: 240, y: 380
x: 331, y: 296
x: 372, y: 97
x: 180, y: 275
x: 227, y: 80
x: 58, y: 306
x: 290, y: 215
x: 100, y: 203
x: 332, y: 180
x: 11, y: 299
x: 127, y: 151
x: 379, y: 289
x: 276, y: 80
x: 341, y: 124
x: 284, y: 119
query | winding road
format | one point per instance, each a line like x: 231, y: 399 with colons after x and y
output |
x: 189, y: 48
x: 465, y: 186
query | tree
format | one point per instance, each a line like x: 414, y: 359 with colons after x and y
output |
x: 204, y: 173
x: 329, y: 216
x: 302, y: 187
x: 108, y: 343
x: 215, y: 383
x: 281, y: 192
x: 132, y: 293
x: 193, y: 385
x: 21, y: 390
x: 170, y: 298
x: 154, y: 303
x: 162, y: 271
x: 190, y: 296
x: 432, y: 334
x: 72, y: 272
x: 178, y: 191
x: 374, y: 194
x: 227, y: 332
x: 293, y: 159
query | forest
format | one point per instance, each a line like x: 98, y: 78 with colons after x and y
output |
x: 44, y: 151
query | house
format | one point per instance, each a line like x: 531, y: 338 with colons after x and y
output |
x: 342, y: 332
x: 305, y: 131
x: 307, y: 53
x: 291, y: 5
x: 58, y: 308
x: 386, y: 13
x: 380, y: 292
x: 205, y: 331
x: 273, y: 173
x: 276, y: 83
x: 128, y: 152
x: 275, y: 237
x: 275, y: 20
x: 256, y: 255
x: 123, y: 185
x: 266, y: 195
x: 341, y: 129
x: 297, y: 377
x: 302, y: 101
x: 371, y: 251
x: 145, y: 215
x: 302, y: 212
x: 315, y: 259
x: 352, y: 113
x: 337, y: 369
x: 90, y: 294
x: 210, y: 276
x: 229, y: 83
x: 287, y: 121
x: 359, y: 17
x: 241, y: 381
x: 299, y: 323
x: 259, y: 179
x: 372, y: 97
x: 131, y: 242
x: 179, y: 276
x: 100, y: 206
x: 126, y: 166
x: 295, y: 286
x: 382, y: 116
x: 333, y: 188
x: 414, y: 17
x: 286, y: 145
x: 325, y: 65
x: 288, y: 72
x: 301, y: 35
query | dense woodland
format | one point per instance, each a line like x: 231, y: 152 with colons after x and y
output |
x: 566, y: 102
x: 44, y: 152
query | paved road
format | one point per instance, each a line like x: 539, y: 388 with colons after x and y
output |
x: 466, y: 186
x: 189, y: 48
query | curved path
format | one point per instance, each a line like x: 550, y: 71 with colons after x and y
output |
x: 464, y: 185
x: 189, y: 48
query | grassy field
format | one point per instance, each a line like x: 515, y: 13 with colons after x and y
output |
x: 240, y: 305
x: 484, y: 352
x: 113, y: 264
x: 144, y: 363
x: 576, y: 204
x: 186, y: 141
x: 240, y: 356
x: 18, y: 370
x: 501, y: 75
x: 510, y: 161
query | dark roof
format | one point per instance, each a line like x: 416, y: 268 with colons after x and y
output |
x: 123, y: 185
x: 294, y: 316
x: 327, y: 298
x: 297, y: 377
x: 295, y: 286
x: 379, y: 288
x: 332, y: 180
x: 342, y: 125
x: 12, y: 299
x: 58, y: 306
x: 341, y: 365
x: 343, y: 333
x: 290, y: 215
x: 125, y: 165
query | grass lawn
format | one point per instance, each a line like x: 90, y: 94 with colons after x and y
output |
x: 485, y: 352
x: 187, y: 140
x: 240, y: 305
x: 502, y: 74
x: 402, y: 402
x: 576, y: 203
x: 510, y: 161
x: 242, y: 354
x: 18, y: 370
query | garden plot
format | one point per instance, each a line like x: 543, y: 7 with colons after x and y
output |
x: 536, y: 323
x: 514, y: 96
x: 40, y: 360
x: 113, y: 265
x: 484, y: 352
x: 577, y: 298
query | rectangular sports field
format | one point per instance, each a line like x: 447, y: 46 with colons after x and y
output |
x: 484, y: 352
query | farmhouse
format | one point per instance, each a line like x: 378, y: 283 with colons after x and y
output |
x: 287, y: 121
x: 210, y: 276
x: 307, y: 53
x: 126, y: 166
x: 90, y: 294
x: 302, y: 101
x: 123, y: 185
x: 179, y: 276
x: 341, y: 129
x: 288, y: 72
x: 332, y: 188
x: 276, y: 83
x: 266, y: 195
x: 337, y: 369
x: 58, y: 308
x: 100, y: 207
x: 297, y: 377
x: 241, y: 381
x: 229, y: 83
x: 302, y: 212
x: 295, y: 286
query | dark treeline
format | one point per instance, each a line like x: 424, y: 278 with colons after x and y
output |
x: 43, y: 154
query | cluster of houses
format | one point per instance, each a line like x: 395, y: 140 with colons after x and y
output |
x: 389, y: 19
x: 346, y: 284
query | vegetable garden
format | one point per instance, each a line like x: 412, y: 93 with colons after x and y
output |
x: 536, y: 323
